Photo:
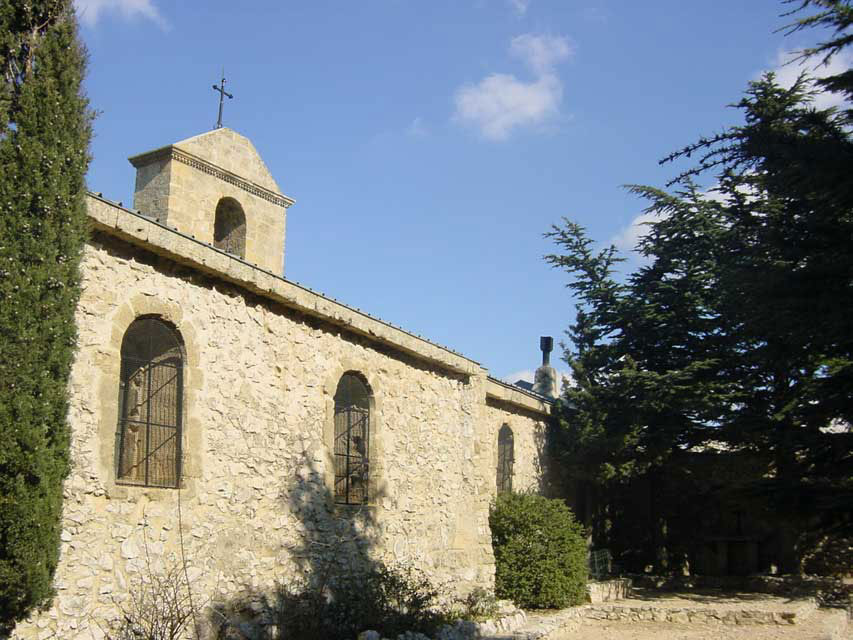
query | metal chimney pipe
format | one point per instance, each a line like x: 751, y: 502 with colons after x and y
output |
x: 546, y: 343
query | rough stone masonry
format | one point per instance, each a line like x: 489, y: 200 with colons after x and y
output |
x: 261, y: 359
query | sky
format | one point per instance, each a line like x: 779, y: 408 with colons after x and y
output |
x: 429, y: 145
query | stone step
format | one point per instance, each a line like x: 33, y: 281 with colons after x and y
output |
x: 797, y: 612
x: 569, y: 624
x: 708, y: 606
x: 826, y: 624
x: 679, y: 611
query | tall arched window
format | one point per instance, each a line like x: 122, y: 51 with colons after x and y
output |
x: 352, y: 440
x: 506, y: 457
x: 229, y: 227
x: 149, y: 429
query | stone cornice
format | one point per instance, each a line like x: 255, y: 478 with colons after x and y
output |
x: 148, y: 234
x: 500, y: 390
x: 174, y: 153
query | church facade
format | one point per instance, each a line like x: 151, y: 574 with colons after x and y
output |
x: 228, y: 419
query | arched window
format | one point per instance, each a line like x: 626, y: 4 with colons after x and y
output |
x: 506, y: 457
x: 352, y: 439
x: 229, y: 227
x: 149, y: 430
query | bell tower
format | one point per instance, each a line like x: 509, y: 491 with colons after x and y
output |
x: 215, y: 187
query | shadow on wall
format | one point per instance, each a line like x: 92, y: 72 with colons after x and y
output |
x: 339, y: 588
x: 552, y: 478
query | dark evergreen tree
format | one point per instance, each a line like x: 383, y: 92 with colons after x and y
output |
x: 45, y: 126
x: 735, y: 338
x: 790, y: 284
x: 647, y: 362
x: 647, y: 351
x: 836, y: 15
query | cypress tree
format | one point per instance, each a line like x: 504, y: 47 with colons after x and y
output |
x: 45, y: 126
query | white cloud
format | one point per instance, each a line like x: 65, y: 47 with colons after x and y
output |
x: 787, y: 71
x: 90, y: 11
x: 501, y: 103
x: 713, y: 193
x: 417, y: 129
x: 627, y: 238
x: 520, y: 6
x: 541, y: 53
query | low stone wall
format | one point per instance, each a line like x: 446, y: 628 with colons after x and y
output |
x: 691, y: 615
x: 505, y: 623
x: 541, y: 626
x: 608, y: 590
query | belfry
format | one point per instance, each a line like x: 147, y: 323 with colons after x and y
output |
x: 216, y: 188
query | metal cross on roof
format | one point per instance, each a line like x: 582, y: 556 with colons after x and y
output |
x: 222, y: 94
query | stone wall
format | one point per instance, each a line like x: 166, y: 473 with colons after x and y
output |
x: 255, y: 503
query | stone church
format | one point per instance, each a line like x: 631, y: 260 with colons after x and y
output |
x: 249, y: 428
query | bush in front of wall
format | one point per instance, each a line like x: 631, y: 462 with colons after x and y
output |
x: 540, y: 552
x: 337, y: 604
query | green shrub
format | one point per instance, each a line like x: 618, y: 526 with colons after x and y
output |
x: 540, y: 552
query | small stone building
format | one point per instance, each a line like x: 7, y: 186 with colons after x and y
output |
x: 229, y: 418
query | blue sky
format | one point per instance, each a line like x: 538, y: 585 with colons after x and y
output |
x: 429, y: 145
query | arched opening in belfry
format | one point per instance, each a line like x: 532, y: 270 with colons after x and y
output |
x: 229, y: 227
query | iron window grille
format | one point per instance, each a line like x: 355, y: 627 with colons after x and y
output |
x: 506, y: 459
x: 352, y: 441
x: 151, y: 393
x: 229, y: 228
